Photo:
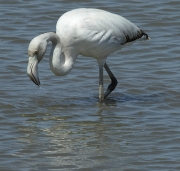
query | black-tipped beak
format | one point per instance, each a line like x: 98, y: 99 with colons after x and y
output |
x: 32, y: 70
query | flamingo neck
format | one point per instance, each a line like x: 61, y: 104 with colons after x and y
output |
x: 61, y: 61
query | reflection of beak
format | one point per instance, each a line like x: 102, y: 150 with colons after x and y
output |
x: 32, y: 70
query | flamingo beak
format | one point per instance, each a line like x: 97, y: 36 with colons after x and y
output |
x: 32, y: 70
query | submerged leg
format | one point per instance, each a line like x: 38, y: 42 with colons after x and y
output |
x: 101, y: 89
x: 114, y: 82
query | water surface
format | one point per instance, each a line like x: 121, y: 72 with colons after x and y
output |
x: 61, y: 125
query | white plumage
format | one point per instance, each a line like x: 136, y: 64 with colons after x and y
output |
x: 88, y: 32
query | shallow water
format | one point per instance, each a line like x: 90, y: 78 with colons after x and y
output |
x: 61, y: 125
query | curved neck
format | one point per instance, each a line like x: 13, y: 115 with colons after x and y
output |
x: 61, y: 61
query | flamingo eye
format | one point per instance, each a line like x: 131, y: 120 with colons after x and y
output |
x: 36, y: 52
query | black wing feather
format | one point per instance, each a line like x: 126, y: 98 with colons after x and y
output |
x: 140, y: 33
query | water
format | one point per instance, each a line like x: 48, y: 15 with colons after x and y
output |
x: 61, y: 125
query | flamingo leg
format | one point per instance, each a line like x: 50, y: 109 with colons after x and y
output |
x: 114, y: 82
x: 101, y: 89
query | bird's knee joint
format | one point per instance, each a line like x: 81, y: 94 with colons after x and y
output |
x: 114, y: 82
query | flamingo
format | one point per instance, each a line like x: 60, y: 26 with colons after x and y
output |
x: 89, y: 32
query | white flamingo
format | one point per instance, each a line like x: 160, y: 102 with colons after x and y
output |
x: 88, y: 32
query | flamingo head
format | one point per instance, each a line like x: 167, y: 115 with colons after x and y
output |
x: 36, y: 51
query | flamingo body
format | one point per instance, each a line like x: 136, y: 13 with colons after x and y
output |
x: 88, y: 32
x: 95, y: 33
